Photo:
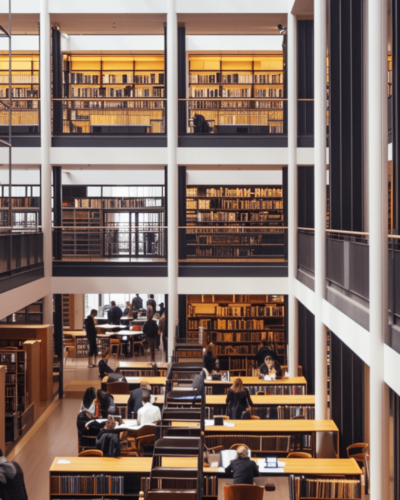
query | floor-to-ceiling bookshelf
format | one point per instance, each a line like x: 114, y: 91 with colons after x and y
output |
x: 236, y: 325
x: 236, y: 94
x: 113, y: 94
x: 234, y: 222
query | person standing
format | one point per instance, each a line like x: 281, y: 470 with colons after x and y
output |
x: 151, y: 302
x: 114, y: 314
x: 150, y: 329
x: 238, y: 400
x: 91, y: 335
x: 161, y: 327
x: 137, y: 303
x: 128, y: 308
x: 12, y: 484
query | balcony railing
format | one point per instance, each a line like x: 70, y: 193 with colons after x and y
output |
x: 347, y: 261
x: 253, y: 116
x: 19, y: 250
x: 117, y: 116
x: 305, y: 249
x: 119, y: 242
x: 232, y: 244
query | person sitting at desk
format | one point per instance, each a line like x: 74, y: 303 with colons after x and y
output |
x: 106, y: 403
x: 263, y: 351
x: 238, y: 400
x: 108, y: 439
x: 271, y: 367
x: 114, y: 314
x: 88, y: 428
x: 148, y: 414
x: 135, y: 401
x: 88, y: 404
x: 243, y: 468
x: 114, y: 377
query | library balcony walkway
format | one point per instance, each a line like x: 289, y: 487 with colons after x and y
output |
x: 112, y: 250
x: 21, y: 257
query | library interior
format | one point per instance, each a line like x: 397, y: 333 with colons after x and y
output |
x: 199, y: 250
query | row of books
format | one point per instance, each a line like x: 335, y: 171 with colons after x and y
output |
x: 255, y: 443
x: 21, y: 202
x: 189, y: 353
x: 284, y: 389
x: 224, y: 204
x: 118, y: 203
x: 221, y: 324
x: 19, y: 92
x: 302, y: 487
x: 263, y: 79
x: 229, y: 239
x: 238, y: 364
x: 80, y: 78
x: 247, y: 337
x: 233, y: 217
x: 104, y: 105
x: 227, y: 192
x: 87, y: 484
x: 19, y: 78
x: 221, y: 252
x: 228, y: 350
x: 273, y: 93
x: 10, y: 391
x: 8, y: 359
x: 268, y: 412
x: 240, y: 311
x: 111, y: 92
x: 252, y: 107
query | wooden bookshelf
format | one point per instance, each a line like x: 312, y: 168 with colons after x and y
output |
x: 25, y: 205
x: 236, y: 325
x: 25, y: 92
x: 107, y: 80
x: 2, y: 407
x: 225, y: 82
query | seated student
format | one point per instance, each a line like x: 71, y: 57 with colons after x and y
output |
x: 148, y: 414
x: 12, y: 484
x: 271, y: 367
x: 135, y: 401
x: 88, y: 428
x: 243, y: 468
x: 106, y: 403
x: 114, y: 377
x: 238, y: 400
x: 88, y: 400
x: 263, y: 351
x: 108, y: 440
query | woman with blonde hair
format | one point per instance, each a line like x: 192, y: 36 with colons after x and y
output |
x: 238, y: 400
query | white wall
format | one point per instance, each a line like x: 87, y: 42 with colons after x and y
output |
x: 120, y: 43
x: 106, y: 6
x: 234, y: 43
x: 23, y: 43
x: 115, y: 177
x: 235, y: 177
x: 232, y: 6
x: 22, y: 296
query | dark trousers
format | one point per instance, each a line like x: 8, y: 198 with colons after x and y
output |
x: 92, y: 346
x: 165, y: 344
x: 152, y: 345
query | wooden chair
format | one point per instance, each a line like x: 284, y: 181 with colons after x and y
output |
x: 361, y: 456
x: 115, y: 347
x: 236, y: 446
x: 91, y: 453
x: 241, y: 491
x: 138, y: 439
x: 118, y: 388
x: 299, y: 454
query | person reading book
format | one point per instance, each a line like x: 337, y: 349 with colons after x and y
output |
x: 271, y: 367
x: 242, y: 469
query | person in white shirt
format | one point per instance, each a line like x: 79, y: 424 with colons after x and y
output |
x: 148, y: 414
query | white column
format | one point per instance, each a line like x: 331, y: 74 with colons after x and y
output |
x: 377, y: 140
x: 45, y: 128
x: 292, y: 192
x: 320, y: 208
x: 172, y: 131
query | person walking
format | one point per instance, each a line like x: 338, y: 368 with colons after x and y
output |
x: 91, y: 335
x: 150, y: 329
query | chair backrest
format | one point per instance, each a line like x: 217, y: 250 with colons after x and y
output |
x: 136, y: 328
x: 299, y: 454
x: 236, y: 446
x: 145, y: 430
x: 298, y: 417
x: 242, y: 491
x: 91, y: 453
x: 118, y: 388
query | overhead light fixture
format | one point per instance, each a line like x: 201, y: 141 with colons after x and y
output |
x: 282, y: 30
x: 65, y: 35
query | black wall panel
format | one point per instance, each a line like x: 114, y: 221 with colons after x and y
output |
x: 307, y: 346
x: 305, y: 197
x: 182, y: 79
x: 345, y: 113
x: 182, y: 210
x: 305, y: 77
x: 395, y: 466
x: 57, y: 80
x: 347, y: 394
x: 395, y: 112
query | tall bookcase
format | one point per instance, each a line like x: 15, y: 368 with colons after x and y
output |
x: 25, y: 92
x: 236, y: 325
x: 25, y: 206
x: 219, y: 80
x: 16, y: 397
x: 132, y: 218
x: 113, y: 78
x: 235, y: 222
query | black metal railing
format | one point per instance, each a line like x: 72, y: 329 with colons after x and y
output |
x: 117, y: 116
x: 394, y: 292
x: 305, y: 249
x: 123, y: 242
x: 347, y: 261
x: 232, y: 243
x: 19, y: 250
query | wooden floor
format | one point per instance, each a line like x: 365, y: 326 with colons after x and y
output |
x: 58, y: 435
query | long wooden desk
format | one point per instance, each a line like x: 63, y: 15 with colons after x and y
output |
x: 313, y: 467
x: 130, y: 367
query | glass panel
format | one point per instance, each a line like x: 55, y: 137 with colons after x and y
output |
x: 18, y: 191
x: 94, y: 191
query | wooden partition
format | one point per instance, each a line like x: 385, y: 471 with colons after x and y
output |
x: 43, y: 333
x: 32, y: 348
x: 2, y: 408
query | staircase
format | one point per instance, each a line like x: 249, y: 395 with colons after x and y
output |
x: 177, y: 467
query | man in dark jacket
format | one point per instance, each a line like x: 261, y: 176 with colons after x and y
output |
x: 12, y: 484
x: 114, y: 314
x: 262, y: 352
x: 137, y: 303
x: 135, y: 400
x: 151, y: 302
x: 243, y: 469
x: 91, y: 335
